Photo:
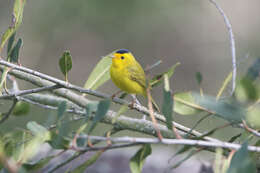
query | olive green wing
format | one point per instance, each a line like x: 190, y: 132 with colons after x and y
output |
x: 137, y: 74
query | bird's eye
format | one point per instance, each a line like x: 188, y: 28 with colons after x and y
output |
x: 122, y: 57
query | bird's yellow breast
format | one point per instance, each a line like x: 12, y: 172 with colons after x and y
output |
x: 121, y: 77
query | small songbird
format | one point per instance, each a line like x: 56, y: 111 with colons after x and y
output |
x: 128, y: 74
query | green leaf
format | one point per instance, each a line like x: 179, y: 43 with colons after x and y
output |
x: 65, y: 64
x: 58, y: 141
x: 253, y: 70
x: 184, y: 104
x: 241, y: 161
x: 61, y: 109
x: 189, y: 155
x: 103, y: 107
x: 137, y: 161
x: 14, y: 55
x: 81, y: 168
x: 10, y: 43
x: 21, y: 108
x: 199, y: 77
x: 100, y: 74
x: 167, y: 107
x: 36, y: 129
x: 34, y: 165
x: 16, y: 21
x: 224, y: 85
x: 233, y: 138
x: 122, y: 110
x: 246, y: 90
x: 228, y: 111
x: 159, y: 78
x: 252, y: 117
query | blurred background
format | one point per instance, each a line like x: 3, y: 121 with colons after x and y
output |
x: 191, y: 32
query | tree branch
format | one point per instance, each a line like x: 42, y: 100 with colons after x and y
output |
x: 232, y: 43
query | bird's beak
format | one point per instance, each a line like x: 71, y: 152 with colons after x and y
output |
x: 111, y: 56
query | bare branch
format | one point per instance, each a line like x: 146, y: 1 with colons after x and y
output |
x: 190, y: 142
x: 6, y: 115
x: 29, y: 91
x: 232, y: 43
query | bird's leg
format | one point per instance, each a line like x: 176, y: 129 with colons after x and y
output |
x: 135, y: 100
x: 114, y: 95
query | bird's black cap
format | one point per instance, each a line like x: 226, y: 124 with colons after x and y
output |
x: 122, y: 51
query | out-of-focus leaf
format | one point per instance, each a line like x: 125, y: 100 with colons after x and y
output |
x: 233, y: 138
x: 3, y: 78
x: 65, y: 63
x: 167, y: 107
x: 159, y: 78
x: 21, y: 108
x: 224, y: 85
x: 100, y: 74
x: 103, y: 107
x: 230, y: 112
x: 122, y: 110
x: 34, y: 165
x: 184, y: 104
x: 61, y: 109
x: 254, y: 70
x: 241, y: 161
x: 246, y: 91
x: 10, y: 43
x: 89, y: 162
x: 189, y: 155
x: 137, y: 161
x: 198, y: 77
x: 14, y: 55
x: 58, y: 141
x: 36, y: 129
x: 91, y: 108
x: 252, y: 117
x: 16, y: 21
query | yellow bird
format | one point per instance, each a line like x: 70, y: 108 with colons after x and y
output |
x: 128, y: 74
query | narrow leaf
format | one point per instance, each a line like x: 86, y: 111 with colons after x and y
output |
x: 88, y: 163
x: 61, y: 109
x: 100, y: 74
x: 122, y: 110
x: 224, y: 85
x: 103, y: 107
x: 137, y: 161
x: 184, y: 104
x: 65, y: 63
x: 254, y: 70
x: 10, y: 43
x: 159, y: 78
x: 167, y: 107
x: 14, y: 55
x: 241, y: 161
x: 16, y: 21
x: 228, y: 111
x: 35, y: 128
x: 199, y: 77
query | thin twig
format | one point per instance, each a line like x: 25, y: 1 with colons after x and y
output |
x: 190, y: 142
x: 6, y: 115
x: 232, y: 43
x: 30, y: 91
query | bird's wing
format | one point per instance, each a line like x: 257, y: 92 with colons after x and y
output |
x: 137, y: 74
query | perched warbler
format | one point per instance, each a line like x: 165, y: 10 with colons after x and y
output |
x: 128, y: 74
